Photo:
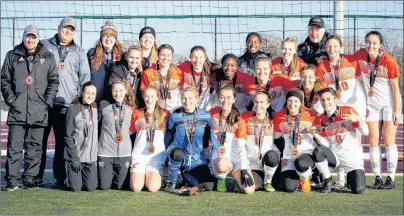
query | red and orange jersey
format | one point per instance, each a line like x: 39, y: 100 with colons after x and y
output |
x: 251, y: 87
x: 248, y: 118
x: 138, y: 121
x: 338, y: 125
x: 388, y: 69
x: 276, y: 69
x: 150, y: 77
x: 233, y: 129
x: 185, y: 67
x: 280, y: 86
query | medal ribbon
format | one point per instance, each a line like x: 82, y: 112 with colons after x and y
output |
x: 309, y: 102
x: 259, y: 137
x: 164, y: 88
x: 88, y: 125
x: 150, y: 128
x: 222, y: 131
x: 336, y: 73
x: 373, y: 73
x: 190, y: 134
x: 330, y: 119
x: 118, y: 117
x: 201, y: 78
x: 294, y: 130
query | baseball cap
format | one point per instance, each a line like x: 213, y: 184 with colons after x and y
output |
x: 68, y: 21
x: 31, y: 29
x: 316, y: 21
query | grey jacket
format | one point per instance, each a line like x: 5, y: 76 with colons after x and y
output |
x: 76, y: 74
x: 80, y: 147
x: 107, y: 147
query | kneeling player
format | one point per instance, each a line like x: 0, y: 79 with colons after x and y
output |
x: 339, y: 143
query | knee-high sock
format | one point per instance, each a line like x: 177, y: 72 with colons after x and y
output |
x: 173, y: 168
x: 324, y: 169
x: 392, y: 160
x: 374, y: 154
x: 306, y: 174
x: 341, y: 175
x: 269, y: 173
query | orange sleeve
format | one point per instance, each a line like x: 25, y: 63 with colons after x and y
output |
x: 241, y: 131
x: 132, y: 127
x: 321, y: 70
x: 145, y: 79
x: 353, y: 111
x: 277, y: 121
x: 180, y: 76
x: 392, y: 68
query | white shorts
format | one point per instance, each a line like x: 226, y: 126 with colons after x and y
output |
x: 384, y: 113
x: 145, y: 168
x: 348, y: 163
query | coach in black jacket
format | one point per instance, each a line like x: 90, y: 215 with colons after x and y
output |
x: 29, y: 84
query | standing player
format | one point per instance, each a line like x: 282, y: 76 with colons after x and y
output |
x: 338, y: 129
x: 166, y: 77
x: 148, y: 46
x: 229, y: 152
x: 149, y: 153
x: 380, y: 74
x: 246, y: 62
x: 196, y: 73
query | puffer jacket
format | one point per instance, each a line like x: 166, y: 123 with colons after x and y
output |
x: 309, y: 52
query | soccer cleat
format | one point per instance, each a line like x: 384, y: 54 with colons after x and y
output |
x: 221, y: 185
x: 389, y: 184
x: 304, y: 185
x: 378, y: 182
x: 29, y: 182
x: 11, y: 187
x: 268, y: 187
x: 171, y: 188
x: 38, y: 181
x: 327, y: 185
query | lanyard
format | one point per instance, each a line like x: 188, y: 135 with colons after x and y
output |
x: 257, y: 87
x: 164, y: 88
x: 373, y: 73
x: 200, y: 79
x: 190, y: 132
x: 222, y: 131
x: 133, y: 76
x: 283, y: 68
x: 118, y: 118
x: 29, y: 61
x: 259, y: 137
x: 150, y: 128
x: 220, y: 83
x: 63, y: 51
x: 88, y: 125
x: 332, y: 117
x: 336, y: 73
x: 309, y: 102
x: 296, y: 129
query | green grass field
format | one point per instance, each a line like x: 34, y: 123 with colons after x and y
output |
x: 58, y: 202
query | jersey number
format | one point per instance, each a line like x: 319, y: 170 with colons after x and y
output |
x: 338, y: 139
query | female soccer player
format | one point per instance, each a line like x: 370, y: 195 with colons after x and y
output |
x: 114, y: 144
x: 310, y: 86
x: 148, y: 46
x: 188, y: 134
x: 246, y: 62
x: 166, y: 77
x: 380, y: 74
x: 82, y: 140
x: 289, y: 64
x: 228, y: 152
x: 148, y: 153
x: 229, y: 75
x: 337, y: 132
x: 294, y: 124
x: 197, y: 73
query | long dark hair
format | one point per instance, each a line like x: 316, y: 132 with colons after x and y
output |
x: 206, y: 64
x: 79, y: 99
x: 234, y: 113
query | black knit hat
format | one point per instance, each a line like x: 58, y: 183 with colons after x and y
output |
x: 147, y: 30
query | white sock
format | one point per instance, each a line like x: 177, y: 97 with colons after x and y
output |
x: 374, y: 154
x: 323, y: 168
x: 392, y: 160
x: 341, y: 175
x: 306, y: 174
x: 269, y: 173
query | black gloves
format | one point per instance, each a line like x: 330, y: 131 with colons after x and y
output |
x: 246, y: 179
x: 76, y: 166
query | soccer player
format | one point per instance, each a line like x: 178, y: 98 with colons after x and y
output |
x: 166, y: 77
x: 289, y: 64
x: 246, y: 62
x: 114, y: 143
x: 82, y: 140
x: 148, y: 46
x: 148, y: 153
x: 102, y: 57
x: 337, y: 132
x: 29, y: 84
x: 197, y: 74
x: 310, y: 86
x: 380, y: 74
x: 229, y: 152
x: 229, y: 75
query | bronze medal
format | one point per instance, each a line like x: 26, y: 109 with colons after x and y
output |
x: 118, y: 138
x: 222, y: 151
x: 370, y: 92
x: 62, y: 66
x: 151, y: 148
x: 295, y: 152
x: 29, y: 80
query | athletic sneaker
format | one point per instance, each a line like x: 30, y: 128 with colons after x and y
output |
x: 304, y: 185
x: 11, y: 187
x: 221, y: 185
x: 338, y: 185
x: 268, y: 187
x: 378, y: 182
x: 327, y: 185
x: 29, y: 182
x: 389, y: 184
x: 170, y: 187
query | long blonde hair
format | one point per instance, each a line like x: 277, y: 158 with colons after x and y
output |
x: 159, y: 114
x: 153, y: 57
x: 130, y: 96
x: 295, y: 60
